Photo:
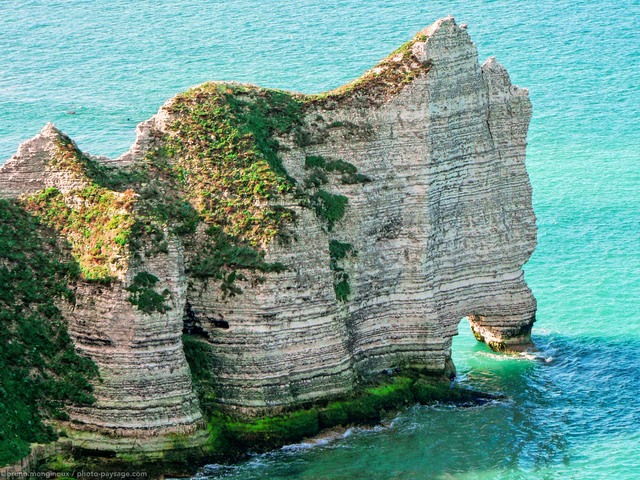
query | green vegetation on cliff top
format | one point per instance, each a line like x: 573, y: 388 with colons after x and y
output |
x: 222, y: 150
x: 386, y: 79
x: 218, y: 162
x: 98, y: 225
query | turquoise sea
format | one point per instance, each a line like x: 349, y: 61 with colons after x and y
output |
x: 573, y: 409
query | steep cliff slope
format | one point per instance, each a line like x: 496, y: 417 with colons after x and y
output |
x: 303, y: 242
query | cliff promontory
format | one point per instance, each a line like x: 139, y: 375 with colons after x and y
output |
x: 259, y: 254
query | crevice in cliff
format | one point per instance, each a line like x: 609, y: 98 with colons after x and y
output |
x: 192, y: 322
x: 493, y: 145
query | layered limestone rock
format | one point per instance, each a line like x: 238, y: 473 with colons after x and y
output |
x: 145, y: 380
x: 428, y: 152
x: 441, y: 232
x: 31, y: 169
x: 145, y: 385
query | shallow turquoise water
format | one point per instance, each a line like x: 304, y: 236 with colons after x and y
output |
x: 572, y: 413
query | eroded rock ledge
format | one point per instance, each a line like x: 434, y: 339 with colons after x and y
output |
x: 304, y: 242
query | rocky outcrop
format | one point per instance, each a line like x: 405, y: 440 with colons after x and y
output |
x: 31, y: 169
x: 145, y: 389
x: 146, y: 385
x: 415, y: 212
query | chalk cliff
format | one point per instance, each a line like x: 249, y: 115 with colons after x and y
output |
x: 308, y: 241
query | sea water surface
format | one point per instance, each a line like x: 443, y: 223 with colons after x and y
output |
x: 573, y: 409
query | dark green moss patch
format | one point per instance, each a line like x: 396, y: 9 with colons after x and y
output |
x: 40, y: 372
x: 313, y: 161
x: 319, y: 165
x: 340, y: 166
x: 264, y: 433
x: 333, y: 415
x: 145, y: 297
x: 341, y: 287
x: 338, y: 251
x: 316, y: 179
x: 329, y: 207
x: 353, y: 178
x: 199, y: 356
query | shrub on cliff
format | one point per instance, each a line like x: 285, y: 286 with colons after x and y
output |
x: 144, y: 296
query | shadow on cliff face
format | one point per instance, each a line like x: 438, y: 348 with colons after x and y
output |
x: 575, y: 394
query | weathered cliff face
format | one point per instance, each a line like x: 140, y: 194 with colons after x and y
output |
x: 441, y: 232
x: 145, y: 383
x: 395, y: 206
x: 31, y: 169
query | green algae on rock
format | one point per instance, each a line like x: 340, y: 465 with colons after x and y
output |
x: 367, y: 405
